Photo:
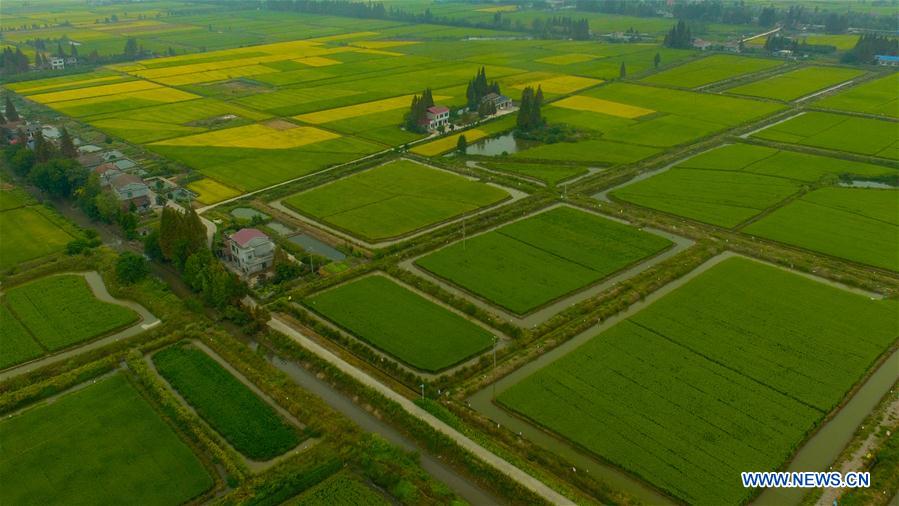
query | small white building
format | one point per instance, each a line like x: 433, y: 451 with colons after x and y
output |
x: 499, y: 101
x: 251, y: 250
x: 437, y: 116
x: 57, y: 63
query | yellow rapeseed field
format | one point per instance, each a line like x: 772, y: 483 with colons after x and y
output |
x: 317, y: 61
x: 215, y: 75
x: 499, y: 8
x: 351, y: 111
x: 28, y: 88
x: 382, y: 44
x: 94, y: 91
x: 580, y: 103
x: 211, y: 191
x: 561, y: 84
x: 566, y: 59
x: 160, y: 94
x: 344, y: 36
x: 444, y: 144
x: 254, y: 136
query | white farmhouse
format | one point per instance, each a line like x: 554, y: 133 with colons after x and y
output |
x: 251, y: 250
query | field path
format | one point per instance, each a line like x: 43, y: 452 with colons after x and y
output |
x: 524, y: 479
x: 98, y: 287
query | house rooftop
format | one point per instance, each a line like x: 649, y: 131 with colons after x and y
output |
x: 245, y: 235
x: 123, y: 180
x: 437, y: 109
x: 885, y: 57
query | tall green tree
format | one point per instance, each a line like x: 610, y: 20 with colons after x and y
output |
x: 11, y: 113
x: 131, y: 49
x: 622, y: 71
x: 656, y: 60
x: 66, y: 145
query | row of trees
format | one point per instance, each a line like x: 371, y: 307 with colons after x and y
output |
x: 530, y: 116
x: 869, y: 45
x: 478, y: 88
x: 680, y: 36
x: 13, y: 62
x: 561, y: 26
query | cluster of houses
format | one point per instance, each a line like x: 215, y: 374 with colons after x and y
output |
x: 119, y: 175
x: 438, y: 116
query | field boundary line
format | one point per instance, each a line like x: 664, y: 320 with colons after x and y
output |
x: 502, y: 465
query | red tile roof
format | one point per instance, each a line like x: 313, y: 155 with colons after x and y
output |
x: 437, y: 109
x: 245, y: 235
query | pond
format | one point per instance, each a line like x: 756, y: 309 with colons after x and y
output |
x: 280, y: 228
x: 495, y: 146
x: 247, y: 213
x: 861, y: 183
x: 316, y: 247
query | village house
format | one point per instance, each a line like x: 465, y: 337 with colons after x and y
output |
x: 57, y: 63
x: 437, y: 116
x: 887, y: 60
x: 500, y: 101
x: 250, y: 250
x: 90, y: 160
x: 106, y: 171
x: 130, y: 189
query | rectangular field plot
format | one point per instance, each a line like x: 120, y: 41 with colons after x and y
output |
x: 102, y: 444
x: 340, y: 490
x: 797, y: 83
x: 852, y: 134
x: 731, y: 184
x: 549, y: 173
x: 529, y: 263
x: 394, y: 199
x: 729, y: 372
x: 873, y: 97
x: 402, y: 323
x: 711, y: 69
x: 251, y: 425
x: 60, y: 311
x: 632, y: 122
x: 28, y: 233
x: 859, y: 224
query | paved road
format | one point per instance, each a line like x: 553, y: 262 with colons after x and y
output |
x: 502, y: 465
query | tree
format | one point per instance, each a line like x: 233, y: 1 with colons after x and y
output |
x: 58, y: 176
x: 418, y: 112
x: 622, y: 71
x: 151, y: 245
x: 679, y: 36
x: 131, y: 268
x: 656, y: 60
x: 2, y: 118
x: 66, y: 145
x: 21, y: 159
x: 836, y: 23
x: 44, y: 150
x: 529, y: 115
x: 11, y: 113
x: 131, y: 50
x: 767, y: 17
x: 181, y: 234
x: 462, y: 144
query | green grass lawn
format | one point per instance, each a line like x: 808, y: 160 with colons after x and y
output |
x: 859, y: 224
x: 340, y: 490
x: 797, y: 83
x: 60, y: 311
x: 727, y: 373
x: 402, y: 323
x: 729, y: 185
x: 877, y: 96
x: 100, y: 445
x: 853, y: 134
x: 250, y: 424
x: 28, y: 234
x: 394, y: 199
x: 710, y: 70
x: 531, y: 262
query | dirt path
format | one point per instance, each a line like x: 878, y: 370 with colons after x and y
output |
x: 855, y: 461
x: 95, y: 282
x: 491, y: 459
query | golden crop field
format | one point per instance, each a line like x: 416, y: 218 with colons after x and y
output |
x: 29, y: 88
x: 215, y: 75
x: 581, y: 103
x: 561, y: 84
x: 444, y: 144
x: 566, y: 59
x: 95, y: 91
x: 351, y: 111
x: 254, y: 136
x: 383, y: 44
x: 499, y: 8
x: 211, y: 191
x: 317, y: 61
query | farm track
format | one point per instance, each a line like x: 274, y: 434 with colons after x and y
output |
x: 524, y: 479
x: 147, y: 321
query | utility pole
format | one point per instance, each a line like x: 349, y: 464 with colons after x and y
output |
x: 422, y: 391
